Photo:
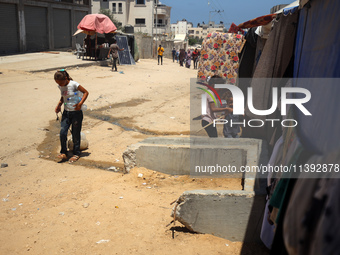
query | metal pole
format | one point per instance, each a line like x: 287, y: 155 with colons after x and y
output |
x: 156, y: 26
x: 152, y: 25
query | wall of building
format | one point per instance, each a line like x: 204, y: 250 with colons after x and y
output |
x: 147, y: 47
x: 39, y: 25
x: 132, y: 11
x: 167, y: 45
x: 144, y: 44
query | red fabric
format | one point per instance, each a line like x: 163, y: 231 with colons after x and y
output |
x: 99, y: 23
x: 260, y: 21
x: 235, y: 29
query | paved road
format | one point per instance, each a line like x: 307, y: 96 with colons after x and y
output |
x: 44, y: 61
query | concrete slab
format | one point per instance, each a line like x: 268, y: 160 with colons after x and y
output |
x: 198, y: 156
x: 234, y: 215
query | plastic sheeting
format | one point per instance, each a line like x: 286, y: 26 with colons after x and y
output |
x: 317, y: 55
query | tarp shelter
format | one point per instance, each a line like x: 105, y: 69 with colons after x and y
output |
x: 289, y: 8
x: 179, y: 41
x: 303, y: 46
x: 180, y: 37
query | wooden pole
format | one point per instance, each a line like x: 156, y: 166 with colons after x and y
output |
x: 95, y: 49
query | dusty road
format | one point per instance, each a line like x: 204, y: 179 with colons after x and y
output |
x: 48, y: 207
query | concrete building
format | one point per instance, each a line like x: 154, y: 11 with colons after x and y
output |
x: 202, y: 30
x: 180, y: 28
x: 146, y: 16
x: 32, y: 25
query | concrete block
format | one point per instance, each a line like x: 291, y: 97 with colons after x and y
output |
x: 230, y: 214
x: 196, y: 155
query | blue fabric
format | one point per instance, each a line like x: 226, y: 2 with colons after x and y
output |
x: 317, y: 55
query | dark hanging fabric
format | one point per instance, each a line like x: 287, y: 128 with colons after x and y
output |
x: 284, y: 191
x: 273, y: 63
x: 317, y: 57
x: 261, y: 42
x: 247, y: 59
x: 311, y: 222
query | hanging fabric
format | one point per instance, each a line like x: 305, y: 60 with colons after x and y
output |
x: 259, y: 21
x: 219, y: 56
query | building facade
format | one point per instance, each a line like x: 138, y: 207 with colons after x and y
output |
x: 146, y: 16
x: 33, y: 25
x: 182, y: 27
x: 202, y: 30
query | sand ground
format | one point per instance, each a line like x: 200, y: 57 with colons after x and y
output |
x: 48, y: 207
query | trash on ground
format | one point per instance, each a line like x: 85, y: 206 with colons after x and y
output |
x: 103, y: 241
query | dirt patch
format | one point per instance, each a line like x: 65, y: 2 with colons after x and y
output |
x: 51, y: 208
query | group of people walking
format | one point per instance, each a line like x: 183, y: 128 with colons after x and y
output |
x: 185, y: 57
x: 181, y: 56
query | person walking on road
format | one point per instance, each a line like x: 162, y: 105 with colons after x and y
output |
x: 114, y: 48
x: 181, y: 57
x: 173, y: 54
x: 160, y: 52
x: 195, y: 57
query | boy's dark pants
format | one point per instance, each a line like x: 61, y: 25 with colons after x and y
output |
x: 114, y: 65
x: 160, y: 57
x: 75, y: 119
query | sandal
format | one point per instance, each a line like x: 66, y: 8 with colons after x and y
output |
x: 62, y: 156
x: 74, y: 159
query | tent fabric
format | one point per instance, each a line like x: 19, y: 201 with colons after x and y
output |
x: 259, y: 21
x: 288, y: 7
x: 290, y: 10
x: 273, y: 63
x: 317, y: 55
x: 247, y: 60
x: 99, y: 23
x: 83, y: 31
x: 303, y: 3
x: 263, y: 31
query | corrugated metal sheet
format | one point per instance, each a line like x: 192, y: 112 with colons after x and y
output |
x: 9, y: 42
x: 36, y: 28
x: 62, y: 28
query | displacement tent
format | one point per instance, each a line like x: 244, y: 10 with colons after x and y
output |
x: 303, y: 47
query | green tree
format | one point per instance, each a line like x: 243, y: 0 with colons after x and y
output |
x: 192, y: 41
x: 108, y: 13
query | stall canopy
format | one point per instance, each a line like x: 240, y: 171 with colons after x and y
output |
x: 96, y: 23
